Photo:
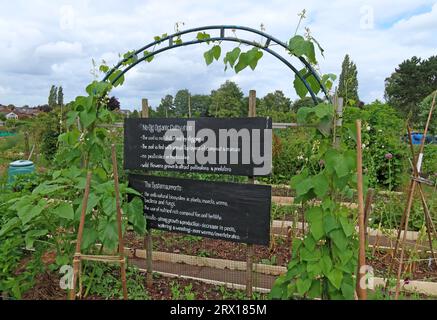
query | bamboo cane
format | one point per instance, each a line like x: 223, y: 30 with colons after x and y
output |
x: 76, y: 259
x: 361, y: 290
x: 119, y: 223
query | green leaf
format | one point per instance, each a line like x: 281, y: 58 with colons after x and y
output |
x: 202, y: 36
x: 347, y: 288
x: 335, y: 277
x: 97, y: 88
x: 309, y: 242
x: 46, y: 189
x: 303, y: 113
x: 71, y: 117
x: 298, y: 46
x: 314, y: 84
x: 103, y: 68
x: 253, y: 56
x: 108, y: 233
x: 347, y: 226
x: 341, y: 168
x: 27, y: 213
x: 87, y: 118
x: 304, y: 186
x: 64, y: 210
x: 109, y: 205
x: 314, y: 269
x: 242, y: 62
x: 303, y: 285
x: 316, y: 229
x: 315, y: 290
x: 325, y: 264
x: 92, y: 202
x: 148, y: 59
x: 9, y: 225
x: 321, y: 185
x: 277, y: 289
x: 32, y: 235
x: 299, y: 86
x: 89, y: 238
x: 208, y: 55
x: 232, y: 56
x: 339, y: 239
x: 135, y: 215
x: 216, y: 51
x: 311, y: 256
x: 329, y: 223
x: 132, y: 191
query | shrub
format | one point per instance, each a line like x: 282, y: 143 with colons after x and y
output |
x: 384, y: 154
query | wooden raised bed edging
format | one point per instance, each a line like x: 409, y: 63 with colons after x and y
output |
x: 411, y: 235
x: 412, y: 286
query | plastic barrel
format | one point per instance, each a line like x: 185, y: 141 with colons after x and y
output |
x: 19, y: 167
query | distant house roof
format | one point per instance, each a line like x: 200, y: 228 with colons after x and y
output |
x: 11, y: 115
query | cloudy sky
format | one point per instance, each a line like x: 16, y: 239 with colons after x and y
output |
x: 53, y: 42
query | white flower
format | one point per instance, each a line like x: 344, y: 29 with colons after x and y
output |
x: 363, y: 145
x: 368, y: 128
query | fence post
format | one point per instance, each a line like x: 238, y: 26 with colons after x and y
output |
x: 26, y: 145
x: 249, y: 261
x: 148, y: 239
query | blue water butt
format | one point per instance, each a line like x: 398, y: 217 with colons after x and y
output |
x: 19, y: 167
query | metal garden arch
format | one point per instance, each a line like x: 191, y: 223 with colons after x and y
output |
x: 269, y: 41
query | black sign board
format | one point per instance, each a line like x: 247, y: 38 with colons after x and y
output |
x: 237, y: 146
x: 219, y: 210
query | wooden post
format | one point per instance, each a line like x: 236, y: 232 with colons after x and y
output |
x: 76, y: 259
x: 189, y: 105
x: 119, y: 223
x: 361, y: 274
x: 26, y: 145
x: 148, y: 245
x: 249, y: 260
x: 145, y: 108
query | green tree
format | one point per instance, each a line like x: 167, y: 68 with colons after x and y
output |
x: 227, y: 101
x: 200, y: 104
x: 413, y: 80
x: 424, y: 107
x: 304, y: 102
x: 180, y: 102
x: 276, y: 101
x: 348, y: 83
x: 53, y: 97
x: 166, y: 107
x: 134, y: 114
x: 60, y: 97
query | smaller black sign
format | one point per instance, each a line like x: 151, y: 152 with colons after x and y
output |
x: 219, y: 210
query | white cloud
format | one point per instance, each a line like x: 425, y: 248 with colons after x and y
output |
x: 59, y: 50
x: 47, y: 42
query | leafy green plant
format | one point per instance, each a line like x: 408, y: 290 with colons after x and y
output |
x: 323, y: 263
x: 384, y: 154
x: 108, y: 286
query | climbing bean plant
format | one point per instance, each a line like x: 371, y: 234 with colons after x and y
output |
x: 324, y: 261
